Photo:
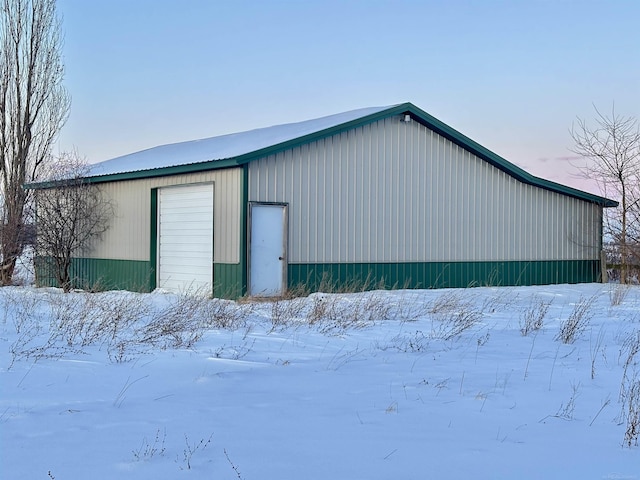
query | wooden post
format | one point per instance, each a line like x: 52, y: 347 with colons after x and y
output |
x: 603, y: 267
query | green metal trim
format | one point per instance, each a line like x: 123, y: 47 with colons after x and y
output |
x: 138, y: 276
x: 404, y: 108
x: 228, y: 282
x: 153, y: 237
x: 100, y: 274
x: 108, y: 274
x: 366, y: 276
x: 150, y: 173
x: 244, y: 227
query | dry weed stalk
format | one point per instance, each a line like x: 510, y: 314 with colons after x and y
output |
x: 630, y: 346
x: 618, y: 293
x: 594, y: 349
x: 96, y: 318
x: 452, y: 315
x: 532, y: 318
x: 124, y: 323
x: 286, y: 311
x: 335, y: 314
x: 577, y: 322
x: 187, y: 318
x: 566, y: 410
x: 632, y: 412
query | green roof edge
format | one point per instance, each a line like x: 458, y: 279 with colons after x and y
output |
x: 404, y: 108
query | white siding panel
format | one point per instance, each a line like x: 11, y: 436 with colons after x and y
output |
x: 398, y: 192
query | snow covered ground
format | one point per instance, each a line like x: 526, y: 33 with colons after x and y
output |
x: 406, y: 384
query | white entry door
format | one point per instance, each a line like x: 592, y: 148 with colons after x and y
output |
x: 268, y: 250
x: 185, y: 237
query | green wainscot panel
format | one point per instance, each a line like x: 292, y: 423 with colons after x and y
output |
x: 138, y: 276
x: 100, y: 274
x: 227, y: 280
x: 341, y: 277
x: 107, y: 274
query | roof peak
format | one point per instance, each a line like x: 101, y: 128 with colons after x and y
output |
x: 235, y: 149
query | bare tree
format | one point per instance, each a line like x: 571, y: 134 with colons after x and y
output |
x: 70, y: 214
x: 612, y: 147
x: 34, y: 106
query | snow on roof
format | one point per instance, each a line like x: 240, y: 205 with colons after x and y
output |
x: 224, y: 146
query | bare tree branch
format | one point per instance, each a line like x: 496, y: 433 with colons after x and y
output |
x: 69, y: 217
x: 612, y: 149
x: 34, y: 106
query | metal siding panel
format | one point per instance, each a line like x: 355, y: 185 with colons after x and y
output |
x: 462, y: 207
x: 296, y: 236
x: 440, y: 274
x: 397, y: 192
x: 371, y: 224
x: 356, y: 153
x: 418, y: 217
x: 457, y: 193
x: 398, y: 206
x: 503, y: 222
x: 99, y: 274
x: 331, y: 222
x: 490, y: 225
x: 410, y: 184
x: 311, y: 207
x: 537, y: 212
x: 367, y: 225
x: 128, y: 235
x: 228, y: 280
x: 333, y: 226
x: 510, y: 218
x: 346, y: 188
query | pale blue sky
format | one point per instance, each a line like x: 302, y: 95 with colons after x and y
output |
x: 512, y: 75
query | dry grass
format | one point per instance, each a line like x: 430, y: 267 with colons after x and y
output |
x: 632, y: 413
x: 574, y: 326
x: 617, y: 294
x: 187, y: 317
x: 124, y: 324
x: 451, y: 314
x: 284, y: 312
x: 335, y: 314
x: 532, y: 318
x: 629, y: 397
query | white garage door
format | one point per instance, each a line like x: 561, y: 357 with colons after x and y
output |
x: 185, y: 237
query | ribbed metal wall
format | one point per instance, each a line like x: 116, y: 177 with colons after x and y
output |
x: 396, y: 191
x: 128, y: 235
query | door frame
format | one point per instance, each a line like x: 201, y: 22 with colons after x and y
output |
x: 285, y: 242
